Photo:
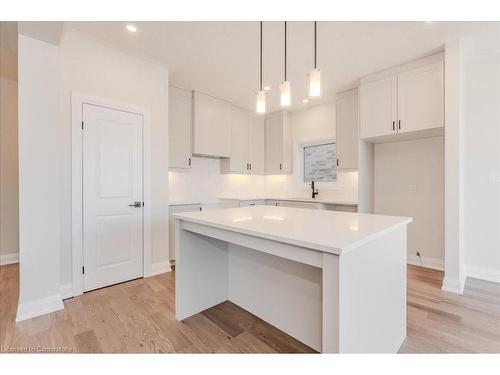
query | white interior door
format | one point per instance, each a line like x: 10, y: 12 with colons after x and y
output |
x: 112, y: 184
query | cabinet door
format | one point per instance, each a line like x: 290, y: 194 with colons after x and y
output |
x: 421, y: 98
x: 378, y: 107
x: 287, y: 154
x: 256, y: 147
x: 294, y: 204
x: 239, y: 140
x: 212, y: 126
x: 179, y: 127
x: 274, y: 144
x: 347, y: 130
x: 171, y: 223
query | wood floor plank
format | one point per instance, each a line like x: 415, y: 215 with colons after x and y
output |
x: 139, y: 317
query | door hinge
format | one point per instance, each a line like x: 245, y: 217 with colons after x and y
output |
x: 83, y: 270
x: 82, y: 125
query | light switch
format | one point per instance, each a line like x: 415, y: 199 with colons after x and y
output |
x: 413, y: 188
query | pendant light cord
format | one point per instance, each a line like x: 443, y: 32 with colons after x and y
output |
x: 260, y: 56
x: 285, y: 50
x: 315, y: 53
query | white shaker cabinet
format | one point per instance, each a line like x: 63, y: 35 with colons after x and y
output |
x: 247, y: 143
x: 180, y: 105
x: 211, y: 126
x: 347, y: 130
x: 256, y: 145
x: 421, y: 98
x: 175, y: 209
x: 378, y: 107
x: 278, y: 143
x: 408, y: 99
x: 238, y: 162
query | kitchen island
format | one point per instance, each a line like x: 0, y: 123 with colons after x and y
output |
x: 334, y: 280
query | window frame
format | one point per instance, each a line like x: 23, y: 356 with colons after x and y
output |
x: 300, y: 161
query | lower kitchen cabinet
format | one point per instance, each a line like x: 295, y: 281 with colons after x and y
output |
x: 174, y: 209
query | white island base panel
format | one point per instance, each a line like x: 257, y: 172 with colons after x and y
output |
x: 349, y: 303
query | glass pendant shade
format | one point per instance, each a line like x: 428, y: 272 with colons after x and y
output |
x: 315, y: 84
x: 285, y: 94
x: 260, y: 105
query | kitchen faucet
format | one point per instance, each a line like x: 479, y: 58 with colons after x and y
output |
x: 314, y: 192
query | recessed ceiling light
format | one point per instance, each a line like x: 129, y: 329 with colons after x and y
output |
x: 267, y: 88
x: 305, y: 100
x: 131, y: 28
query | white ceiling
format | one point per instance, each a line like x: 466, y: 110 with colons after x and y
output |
x: 222, y: 58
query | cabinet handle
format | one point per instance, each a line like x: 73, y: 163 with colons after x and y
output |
x: 393, y: 125
x: 337, y: 162
x: 399, y: 124
x: 250, y: 166
x: 189, y: 161
x: 281, y: 166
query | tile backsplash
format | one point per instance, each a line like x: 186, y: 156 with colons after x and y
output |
x: 204, y: 183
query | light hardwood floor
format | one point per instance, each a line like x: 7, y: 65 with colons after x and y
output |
x: 138, y: 316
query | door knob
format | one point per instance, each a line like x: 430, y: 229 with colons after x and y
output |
x: 136, y: 204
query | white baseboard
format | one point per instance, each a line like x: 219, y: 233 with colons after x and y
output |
x: 427, y: 262
x: 9, y: 259
x: 453, y: 285
x: 160, y: 267
x: 67, y: 291
x: 42, y: 306
x: 487, y: 274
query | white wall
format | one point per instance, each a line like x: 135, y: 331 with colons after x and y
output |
x: 39, y: 187
x: 454, y: 278
x: 409, y: 181
x: 9, y: 175
x: 91, y: 68
x: 481, y: 110
x: 9, y: 186
x: 203, y: 183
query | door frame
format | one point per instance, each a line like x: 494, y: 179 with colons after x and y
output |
x: 77, y: 102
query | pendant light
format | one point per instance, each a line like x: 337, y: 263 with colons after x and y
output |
x: 285, y: 87
x: 314, y: 90
x: 260, y: 105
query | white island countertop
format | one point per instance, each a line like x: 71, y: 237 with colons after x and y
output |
x: 327, y: 231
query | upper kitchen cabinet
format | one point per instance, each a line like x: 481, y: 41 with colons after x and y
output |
x: 378, y: 108
x: 347, y: 129
x: 180, y: 106
x: 278, y: 143
x: 256, y: 145
x: 247, y: 143
x: 421, y: 98
x: 211, y: 126
x: 406, y: 99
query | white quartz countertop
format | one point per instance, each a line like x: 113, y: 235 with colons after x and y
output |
x: 297, y: 199
x: 327, y: 231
